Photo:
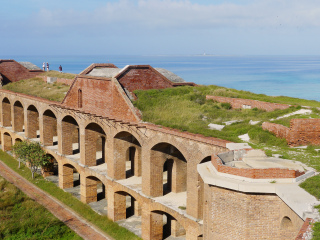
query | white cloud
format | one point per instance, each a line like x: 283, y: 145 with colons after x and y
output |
x: 185, y: 14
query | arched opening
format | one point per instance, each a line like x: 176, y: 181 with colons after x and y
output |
x: 7, y: 142
x: 32, y: 130
x: 18, y: 117
x: 94, y: 191
x: 50, y: 134
x: 70, y: 139
x: 95, y: 139
x: 125, y: 206
x: 165, y: 226
x: 287, y: 229
x: 6, y: 113
x: 51, y: 171
x: 127, y: 156
x: 69, y: 179
x: 169, y: 170
x: 79, y: 98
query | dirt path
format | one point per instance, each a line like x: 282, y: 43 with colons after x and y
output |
x: 78, y: 224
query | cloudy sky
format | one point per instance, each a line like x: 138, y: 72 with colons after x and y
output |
x: 222, y: 27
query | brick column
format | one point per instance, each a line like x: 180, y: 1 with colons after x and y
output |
x: 65, y: 177
x: 179, y: 176
x: 136, y: 207
x: 120, y: 157
x: 6, y: 114
x: 152, y: 225
x: 177, y: 229
x: 193, y: 192
x: 32, y: 124
x: 156, y: 174
x: 91, y: 138
x: 18, y: 118
x: 67, y: 137
x: 88, y: 190
x: 116, y: 205
x: 49, y: 130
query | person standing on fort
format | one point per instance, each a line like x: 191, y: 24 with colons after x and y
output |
x: 47, y: 67
x: 44, y: 66
x: 60, y: 68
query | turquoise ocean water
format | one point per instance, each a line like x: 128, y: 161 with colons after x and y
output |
x: 295, y: 76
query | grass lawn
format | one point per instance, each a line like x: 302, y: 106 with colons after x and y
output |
x: 38, y: 88
x: 105, y: 224
x: 57, y: 74
x: 23, y: 218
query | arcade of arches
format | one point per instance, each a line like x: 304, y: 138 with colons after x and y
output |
x: 136, y: 169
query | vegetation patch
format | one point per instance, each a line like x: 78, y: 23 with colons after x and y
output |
x: 103, y: 222
x: 38, y: 88
x: 23, y: 218
x: 59, y: 74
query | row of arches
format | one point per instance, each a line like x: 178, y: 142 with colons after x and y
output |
x: 92, y: 145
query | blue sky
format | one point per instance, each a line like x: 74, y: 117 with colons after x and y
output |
x: 148, y: 27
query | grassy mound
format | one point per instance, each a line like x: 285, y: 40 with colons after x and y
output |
x: 38, y: 88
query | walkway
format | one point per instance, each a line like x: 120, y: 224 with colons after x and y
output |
x: 78, y: 224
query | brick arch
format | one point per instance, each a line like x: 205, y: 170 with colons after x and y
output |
x: 7, y: 141
x: 140, y: 139
x: 50, y: 131
x: 89, y: 189
x: 18, y: 116
x: 32, y: 121
x: 152, y: 142
x: 118, y: 205
x: 127, y: 155
x: 166, y: 158
x: 66, y: 179
x: 6, y: 112
x: 174, y: 226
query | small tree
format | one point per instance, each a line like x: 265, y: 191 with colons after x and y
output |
x: 20, y: 151
x: 32, y: 153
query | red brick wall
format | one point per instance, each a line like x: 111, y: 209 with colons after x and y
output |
x: 305, y: 229
x: 142, y: 77
x: 239, y: 102
x: 13, y: 71
x: 279, y: 130
x: 301, y: 132
x: 100, y: 96
x: 268, y: 173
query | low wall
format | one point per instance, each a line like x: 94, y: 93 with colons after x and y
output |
x: 301, y: 131
x: 279, y: 130
x: 305, y: 232
x: 248, y: 103
x: 66, y: 81
x: 254, y: 173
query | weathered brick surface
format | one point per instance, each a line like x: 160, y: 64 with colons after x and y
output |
x: 13, y: 71
x: 142, y: 77
x: 153, y: 146
x: 236, y: 215
x: 306, y: 230
x: 301, y: 132
x: 110, y: 102
x: 248, y: 103
x: 18, y: 117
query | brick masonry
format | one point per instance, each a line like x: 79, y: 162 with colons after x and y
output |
x: 269, y: 173
x: 236, y: 215
x: 13, y: 71
x: 149, y: 147
x: 248, y: 103
x: 301, y: 131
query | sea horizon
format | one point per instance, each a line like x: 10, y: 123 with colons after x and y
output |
x: 274, y: 75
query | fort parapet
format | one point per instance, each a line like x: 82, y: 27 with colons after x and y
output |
x: 174, y: 183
